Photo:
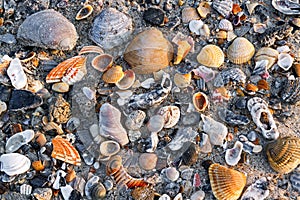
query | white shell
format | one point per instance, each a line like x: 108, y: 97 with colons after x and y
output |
x: 225, y: 25
x: 14, y: 163
x: 285, y: 61
x: 156, y: 123
x: 18, y: 140
x: 172, y: 174
x: 204, y: 72
x: 178, y: 197
x: 66, y: 191
x: 26, y: 189
x: 256, y: 191
x: 147, y: 83
x: 164, y: 197
x: 171, y: 115
x: 154, y: 142
x: 109, y: 148
x: 89, y: 185
x: 232, y: 156
x: 195, y: 26
x: 16, y: 74
x: 199, y: 195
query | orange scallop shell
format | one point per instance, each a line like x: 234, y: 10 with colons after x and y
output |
x: 113, y: 74
x: 63, y: 150
x: 226, y: 183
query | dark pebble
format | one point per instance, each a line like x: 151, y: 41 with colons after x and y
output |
x: 154, y: 16
x: 23, y: 100
x: 5, y: 93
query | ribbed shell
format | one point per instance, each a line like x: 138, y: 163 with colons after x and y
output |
x: 111, y: 28
x: 48, y: 29
x: 224, y: 7
x: 149, y: 52
x: 284, y: 154
x: 225, y: 25
x: 113, y: 75
x: 240, y: 51
x: 226, y: 183
x: 267, y: 53
x: 211, y: 56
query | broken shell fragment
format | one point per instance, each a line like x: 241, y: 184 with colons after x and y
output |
x: 188, y: 14
x: 154, y: 16
x: 257, y: 190
x: 226, y: 183
x: 135, y: 119
x: 14, y: 163
x: 204, y: 72
x: 200, y: 101
x: 266, y: 53
x: 109, y: 148
x: 183, y: 48
x: 182, y: 80
x: 19, y: 139
x: 23, y: 100
x: 288, y: 7
x: 240, y: 51
x: 84, y: 12
x: 16, y: 74
x: 195, y: 26
x: 38, y: 165
x: 204, y: 9
x: 171, y: 115
x: 211, y: 56
x: 102, y: 62
x: 172, y: 174
x: 113, y: 74
x: 285, y: 61
x: 61, y: 87
x: 91, y: 49
x: 127, y: 81
x: 223, y: 7
x: 232, y: 156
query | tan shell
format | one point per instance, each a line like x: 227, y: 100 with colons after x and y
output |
x: 200, y: 101
x: 109, y: 148
x: 113, y: 75
x: 188, y: 14
x: 91, y: 49
x: 102, y: 62
x: 182, y: 80
x: 127, y: 81
x: 267, y: 53
x: 183, y: 48
x: 226, y: 183
x: 149, y: 52
x: 204, y: 9
x: 240, y: 51
x: 211, y: 56
x: 284, y: 154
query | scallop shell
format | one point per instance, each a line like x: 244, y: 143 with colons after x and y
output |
x: 127, y: 81
x: 48, y: 29
x: 284, y: 154
x: 16, y: 74
x: 171, y: 115
x: 18, y: 140
x: 266, y: 53
x: 110, y: 124
x: 188, y: 14
x: 111, y: 28
x: 65, y: 151
x: 182, y: 80
x: 84, y: 12
x: 102, y: 62
x: 285, y: 61
x: 200, y: 101
x: 14, y: 163
x: 69, y: 71
x: 109, y: 148
x: 113, y: 74
x: 226, y: 183
x: 223, y: 7
x: 240, y: 51
x: 149, y: 52
x: 232, y: 156
x: 211, y: 56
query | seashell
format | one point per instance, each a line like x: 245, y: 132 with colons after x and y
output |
x: 102, y: 62
x: 226, y: 183
x: 261, y: 68
x: 135, y: 119
x: 89, y: 93
x: 221, y: 34
x: 154, y: 16
x: 154, y: 142
x: 225, y: 25
x: 172, y: 174
x: 266, y: 53
x: 195, y: 26
x: 109, y: 148
x: 188, y: 14
x: 263, y: 118
x: 251, y: 7
x: 90, y: 49
x: 200, y: 101
x: 110, y: 124
x: 233, y: 75
x: 231, y: 118
x: 171, y: 115
x: 206, y: 73
x: 211, y: 56
x: 182, y: 80
x: 231, y: 35
x: 16, y: 74
x: 156, y: 123
x: 3, y: 107
x: 65, y: 151
x: 285, y: 61
x: 84, y: 12
x: 14, y: 163
x: 180, y: 37
x: 204, y: 9
x: 287, y: 7
x: 115, y: 168
x: 38, y: 165
x: 199, y: 195
x: 69, y: 71
x: 164, y: 197
x: 257, y: 190
x: 251, y: 87
x: 25, y: 189
x: 23, y: 100
x: 113, y: 74
x: 216, y: 131
x: 296, y: 67
x: 296, y: 21
x: 66, y: 191
x: 127, y: 81
x: 205, y: 32
x: 149, y: 52
x: 240, y: 51
x: 94, y: 189
x: 291, y: 91
x: 148, y: 161
x: 18, y: 140
x: 232, y: 156
x: 61, y: 87
x: 48, y: 29
x: 148, y: 83
x: 223, y: 7
x: 183, y: 48
x: 111, y: 28
x: 284, y: 154
x: 42, y: 193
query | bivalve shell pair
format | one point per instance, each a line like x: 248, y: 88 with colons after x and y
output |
x: 200, y: 101
x: 226, y: 183
x: 240, y: 51
x: 14, y: 163
x: 211, y: 56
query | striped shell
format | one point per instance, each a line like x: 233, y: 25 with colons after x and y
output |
x: 65, y: 151
x: 224, y: 7
x: 225, y: 25
x: 149, y: 52
x: 267, y: 53
x: 226, y: 183
x: 68, y: 71
x: 113, y: 75
x: 240, y: 51
x: 284, y: 154
x: 211, y: 56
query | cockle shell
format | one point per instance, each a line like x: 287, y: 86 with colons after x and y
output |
x: 200, y: 101
x: 188, y: 14
x: 240, y: 51
x: 19, y: 139
x: 225, y: 25
x: 171, y: 115
x: 84, y: 12
x: 102, y: 62
x: 232, y: 156
x: 110, y: 124
x: 266, y: 53
x: 48, y: 29
x: 223, y: 7
x: 149, y: 52
x: 284, y: 154
x: 127, y: 81
x: 109, y: 148
x: 113, y: 74
x: 14, y: 163
x: 211, y: 56
x: 16, y: 74
x: 226, y: 183
x: 65, y: 151
x: 69, y: 71
x: 285, y: 61
x: 111, y: 28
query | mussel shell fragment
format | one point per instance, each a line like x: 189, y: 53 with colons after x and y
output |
x: 23, y: 100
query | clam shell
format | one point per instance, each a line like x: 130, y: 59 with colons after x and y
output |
x: 148, y: 161
x: 84, y: 12
x: 102, y: 62
x: 200, y: 101
x: 90, y: 49
x: 226, y: 183
x: 172, y: 174
x: 188, y: 14
x: 232, y: 156
x: 16, y: 74
x: 284, y: 154
x: 149, y: 52
x: 109, y: 148
x: 266, y: 53
x: 285, y: 61
x: 211, y: 56
x: 171, y: 115
x: 111, y: 28
x: 156, y: 123
x: 223, y: 7
x: 225, y: 25
x: 113, y: 74
x: 240, y: 51
x: 19, y: 139
x: 182, y: 80
x: 14, y: 163
x: 127, y: 81
x: 48, y: 29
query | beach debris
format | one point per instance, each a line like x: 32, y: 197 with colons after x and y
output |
x: 258, y: 190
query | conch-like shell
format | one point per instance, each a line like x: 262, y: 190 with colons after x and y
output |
x: 110, y: 124
x: 113, y: 74
x: 149, y: 52
x: 232, y: 156
x: 284, y: 154
x: 226, y: 183
x: 211, y: 56
x: 240, y: 51
x: 200, y: 101
x: 171, y: 115
x: 14, y: 163
x: 267, y: 53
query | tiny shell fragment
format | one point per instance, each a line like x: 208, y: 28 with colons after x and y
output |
x: 171, y: 115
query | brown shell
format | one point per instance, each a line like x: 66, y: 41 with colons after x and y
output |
x: 183, y: 48
x: 84, y: 12
x: 240, y: 51
x: 113, y: 75
x: 211, y: 56
x: 200, y: 101
x: 226, y: 183
x: 127, y: 81
x: 284, y: 154
x: 188, y: 14
x: 102, y: 62
x: 149, y: 52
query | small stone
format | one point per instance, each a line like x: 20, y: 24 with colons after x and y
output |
x: 8, y: 38
x: 61, y: 87
x: 156, y: 123
x: 148, y: 161
x: 199, y: 195
x: 172, y: 174
x: 41, y: 139
x: 154, y: 16
x: 252, y: 136
x: 3, y: 107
